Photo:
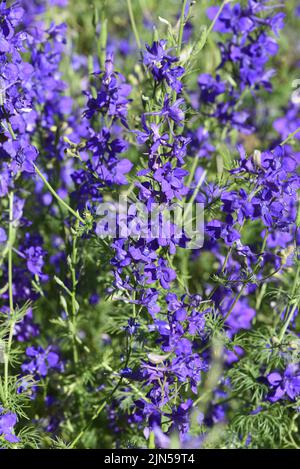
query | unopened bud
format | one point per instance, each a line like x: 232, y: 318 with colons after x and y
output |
x: 257, y: 158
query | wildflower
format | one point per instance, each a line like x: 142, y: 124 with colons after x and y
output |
x: 286, y: 384
x: 210, y: 87
x: 40, y: 361
x: 157, y: 59
x: 35, y: 261
x: 171, y: 111
x: 7, y: 422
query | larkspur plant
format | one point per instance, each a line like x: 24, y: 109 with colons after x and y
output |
x: 136, y: 338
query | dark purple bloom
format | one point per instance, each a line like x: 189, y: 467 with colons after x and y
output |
x: 157, y: 59
x: 171, y: 181
x: 210, y: 87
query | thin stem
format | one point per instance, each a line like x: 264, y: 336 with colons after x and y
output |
x: 209, y: 30
x: 193, y: 170
x: 99, y: 410
x: 255, y: 270
x: 291, y: 314
x: 103, y: 41
x: 225, y: 263
x: 9, y: 127
x: 133, y: 24
x: 179, y: 44
x: 78, y: 437
x: 287, y: 323
x: 58, y: 198
x: 11, y: 238
x: 290, y: 136
x: 199, y: 184
x: 74, y: 303
x: 216, y: 18
x: 181, y: 27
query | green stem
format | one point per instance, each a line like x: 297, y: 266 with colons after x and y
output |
x: 286, y: 324
x: 255, y: 270
x: 181, y: 27
x: 290, y: 136
x: 179, y: 44
x: 79, y: 436
x: 193, y: 170
x: 11, y: 238
x: 209, y: 30
x: 133, y: 24
x: 216, y: 18
x: 235, y: 302
x: 58, y: 198
x: 291, y: 314
x: 74, y: 304
x: 225, y: 263
x: 199, y: 184
x: 99, y: 410
x: 9, y: 127
x: 103, y: 41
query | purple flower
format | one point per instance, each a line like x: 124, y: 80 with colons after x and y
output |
x: 3, y: 236
x: 111, y: 95
x: 200, y: 144
x: 161, y: 272
x: 26, y: 329
x: 59, y: 3
x: 157, y: 59
x: 161, y: 439
x: 41, y: 361
x: 35, y: 259
x: 210, y: 87
x: 286, y: 385
x: 7, y: 422
x: 180, y: 416
x: 171, y: 111
x: 214, y: 229
x: 171, y: 181
x: 132, y: 326
x: 241, y: 316
x: 288, y: 123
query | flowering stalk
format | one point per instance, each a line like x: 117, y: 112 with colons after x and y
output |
x: 11, y: 239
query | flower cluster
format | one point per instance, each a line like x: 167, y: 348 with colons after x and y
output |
x: 133, y: 335
x: 245, y: 53
x: 158, y: 60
